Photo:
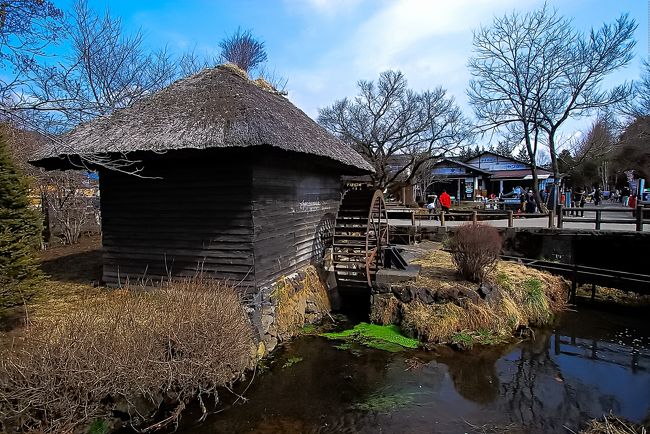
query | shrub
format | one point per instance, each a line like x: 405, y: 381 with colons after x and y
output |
x: 475, y: 248
x: 20, y: 229
x: 127, y: 351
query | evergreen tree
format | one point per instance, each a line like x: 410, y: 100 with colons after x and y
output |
x: 523, y: 156
x: 20, y: 229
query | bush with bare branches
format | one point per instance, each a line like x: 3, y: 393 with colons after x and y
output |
x: 126, y: 351
x: 475, y: 248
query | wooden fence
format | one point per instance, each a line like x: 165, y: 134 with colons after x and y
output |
x: 473, y: 216
x: 637, y: 219
x: 554, y: 218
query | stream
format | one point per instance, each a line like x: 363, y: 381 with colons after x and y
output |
x: 592, y: 362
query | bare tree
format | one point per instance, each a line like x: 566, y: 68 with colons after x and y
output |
x: 534, y: 71
x: 67, y: 203
x: 190, y: 63
x: 640, y: 105
x: 105, y: 70
x: 243, y: 50
x: 576, y: 89
x: 387, y: 120
x: 26, y: 28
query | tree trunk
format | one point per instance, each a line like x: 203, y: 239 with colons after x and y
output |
x: 533, y: 167
x: 554, y: 197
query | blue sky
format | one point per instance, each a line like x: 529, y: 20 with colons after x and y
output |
x: 324, y: 47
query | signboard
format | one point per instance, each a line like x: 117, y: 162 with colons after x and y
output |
x: 495, y: 164
x: 448, y: 171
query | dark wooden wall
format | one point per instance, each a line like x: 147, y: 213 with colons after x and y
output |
x: 248, y: 216
x: 294, y: 208
x: 197, y: 217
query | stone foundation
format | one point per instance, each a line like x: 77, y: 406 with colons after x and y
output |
x: 281, y: 309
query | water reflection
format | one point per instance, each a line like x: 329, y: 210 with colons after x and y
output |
x: 589, y: 364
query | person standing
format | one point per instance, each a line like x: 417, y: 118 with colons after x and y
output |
x: 625, y: 195
x: 445, y: 201
x: 598, y: 195
x: 530, y: 202
x: 580, y: 199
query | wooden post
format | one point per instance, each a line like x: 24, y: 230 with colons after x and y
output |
x: 551, y: 218
x: 413, y: 218
x: 560, y: 212
x: 442, y: 218
x: 598, y: 215
x: 639, y: 218
x: 574, y: 284
x: 511, y: 222
x: 474, y: 217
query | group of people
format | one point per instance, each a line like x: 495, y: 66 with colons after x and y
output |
x: 527, y: 202
x: 622, y: 196
x: 443, y: 202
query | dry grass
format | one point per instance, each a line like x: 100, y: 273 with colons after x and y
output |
x: 525, y: 297
x: 234, y: 68
x: 122, y: 349
x: 265, y: 85
x: 612, y: 425
x: 291, y: 296
x: 385, y: 310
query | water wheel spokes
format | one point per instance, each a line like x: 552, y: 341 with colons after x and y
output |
x: 360, y: 232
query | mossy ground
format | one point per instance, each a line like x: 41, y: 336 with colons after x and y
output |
x: 381, y: 337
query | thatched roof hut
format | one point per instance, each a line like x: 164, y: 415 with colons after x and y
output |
x: 233, y: 180
x: 216, y: 108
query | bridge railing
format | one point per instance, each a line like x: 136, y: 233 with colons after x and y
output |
x: 638, y: 216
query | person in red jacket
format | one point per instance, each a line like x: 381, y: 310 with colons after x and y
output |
x: 445, y: 201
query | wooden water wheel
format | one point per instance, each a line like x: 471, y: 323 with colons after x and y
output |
x: 360, y: 233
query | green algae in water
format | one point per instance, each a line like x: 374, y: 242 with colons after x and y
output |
x: 292, y: 361
x: 99, y: 426
x: 385, y: 403
x: 386, y: 338
x: 309, y: 329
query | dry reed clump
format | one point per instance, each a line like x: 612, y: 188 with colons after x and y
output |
x: 612, y: 425
x: 234, y: 68
x: 294, y: 297
x: 475, y: 249
x: 265, y: 85
x: 522, y: 297
x: 128, y: 351
x: 384, y: 310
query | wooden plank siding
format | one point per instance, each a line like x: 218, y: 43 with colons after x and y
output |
x: 247, y: 217
x: 294, y: 208
x: 195, y: 216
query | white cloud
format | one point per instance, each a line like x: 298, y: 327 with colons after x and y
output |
x: 329, y: 8
x: 430, y: 41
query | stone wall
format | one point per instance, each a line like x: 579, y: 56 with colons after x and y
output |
x: 387, y: 300
x: 280, y: 310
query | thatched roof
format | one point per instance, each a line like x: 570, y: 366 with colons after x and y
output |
x: 216, y: 108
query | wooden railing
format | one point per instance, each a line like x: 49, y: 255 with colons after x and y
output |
x: 474, y: 216
x: 554, y: 218
x: 637, y: 216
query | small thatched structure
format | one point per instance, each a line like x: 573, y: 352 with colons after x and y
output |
x: 233, y: 180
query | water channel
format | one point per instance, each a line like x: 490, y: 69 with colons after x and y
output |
x: 590, y: 363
